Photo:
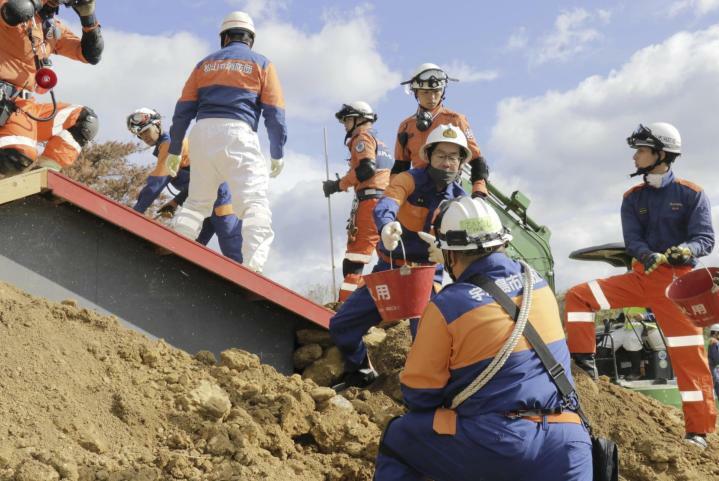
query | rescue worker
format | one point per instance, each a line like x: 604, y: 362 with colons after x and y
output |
x: 370, y: 163
x: 147, y: 126
x: 515, y: 426
x: 406, y: 209
x: 225, y: 93
x: 667, y: 225
x: 714, y: 355
x: 429, y: 83
x: 29, y: 34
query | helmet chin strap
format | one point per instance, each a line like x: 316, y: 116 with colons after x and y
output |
x: 350, y: 132
x: 646, y: 170
x: 448, y: 264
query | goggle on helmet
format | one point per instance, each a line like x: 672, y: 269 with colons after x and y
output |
x: 141, y: 120
x: 350, y: 111
x: 643, y: 137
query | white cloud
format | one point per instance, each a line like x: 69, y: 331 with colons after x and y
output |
x: 321, y: 70
x: 260, y: 9
x: 518, y: 40
x: 573, y: 32
x: 699, y: 7
x: 567, y: 150
x: 466, y: 73
x: 135, y: 71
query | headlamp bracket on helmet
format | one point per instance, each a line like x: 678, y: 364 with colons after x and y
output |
x: 645, y: 134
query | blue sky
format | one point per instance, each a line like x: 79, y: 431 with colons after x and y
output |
x: 551, y: 89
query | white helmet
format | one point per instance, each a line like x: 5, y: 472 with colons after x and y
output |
x: 658, y: 136
x: 141, y: 119
x: 237, y: 20
x: 358, y: 109
x: 428, y: 76
x: 714, y: 328
x: 446, y: 133
x: 469, y: 224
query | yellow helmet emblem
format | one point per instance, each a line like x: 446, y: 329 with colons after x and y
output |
x: 450, y: 134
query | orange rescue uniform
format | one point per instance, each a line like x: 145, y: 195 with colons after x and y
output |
x: 410, y: 139
x: 362, y: 235
x: 17, y: 67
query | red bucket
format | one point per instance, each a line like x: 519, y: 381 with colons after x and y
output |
x: 401, y: 293
x: 697, y: 296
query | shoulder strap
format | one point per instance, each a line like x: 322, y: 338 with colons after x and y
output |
x: 555, y: 369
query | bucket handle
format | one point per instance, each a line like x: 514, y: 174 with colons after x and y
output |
x: 715, y: 287
x: 405, y: 269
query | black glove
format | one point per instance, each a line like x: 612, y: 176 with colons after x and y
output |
x: 679, y: 256
x: 480, y: 169
x: 652, y: 261
x: 167, y: 210
x: 330, y: 187
x: 84, y: 8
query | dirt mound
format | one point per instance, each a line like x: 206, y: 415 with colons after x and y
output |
x: 82, y: 398
x: 649, y: 433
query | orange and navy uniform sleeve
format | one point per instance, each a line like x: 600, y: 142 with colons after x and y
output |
x: 463, y: 329
x: 362, y: 146
x: 273, y: 110
x: 185, y: 111
x: 396, y: 194
x: 467, y: 130
x: 426, y: 370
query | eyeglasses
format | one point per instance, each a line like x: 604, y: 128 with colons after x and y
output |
x: 442, y: 157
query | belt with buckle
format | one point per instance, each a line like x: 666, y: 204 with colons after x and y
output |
x: 365, y: 194
x: 546, y: 415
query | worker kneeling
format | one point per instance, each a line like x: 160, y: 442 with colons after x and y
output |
x: 511, y: 425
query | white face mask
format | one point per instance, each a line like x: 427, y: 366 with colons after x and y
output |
x: 655, y: 180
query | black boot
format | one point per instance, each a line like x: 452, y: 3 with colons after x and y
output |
x: 587, y: 364
x: 362, y: 377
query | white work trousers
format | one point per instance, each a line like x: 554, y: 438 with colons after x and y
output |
x: 226, y: 150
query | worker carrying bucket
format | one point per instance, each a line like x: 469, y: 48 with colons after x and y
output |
x: 481, y: 403
x: 667, y: 225
x: 404, y: 212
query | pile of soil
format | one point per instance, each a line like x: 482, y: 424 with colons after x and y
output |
x: 82, y: 398
x: 649, y: 433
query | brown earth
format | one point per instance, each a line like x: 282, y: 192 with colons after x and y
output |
x: 649, y: 433
x: 82, y: 398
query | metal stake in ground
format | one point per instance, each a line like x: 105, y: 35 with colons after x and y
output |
x: 329, y: 212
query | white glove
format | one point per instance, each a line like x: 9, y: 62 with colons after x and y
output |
x: 172, y: 162
x: 276, y: 167
x: 435, y: 253
x: 391, y: 234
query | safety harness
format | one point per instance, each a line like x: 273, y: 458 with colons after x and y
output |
x: 605, y: 454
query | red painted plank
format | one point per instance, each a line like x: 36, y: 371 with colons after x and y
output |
x: 132, y: 221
